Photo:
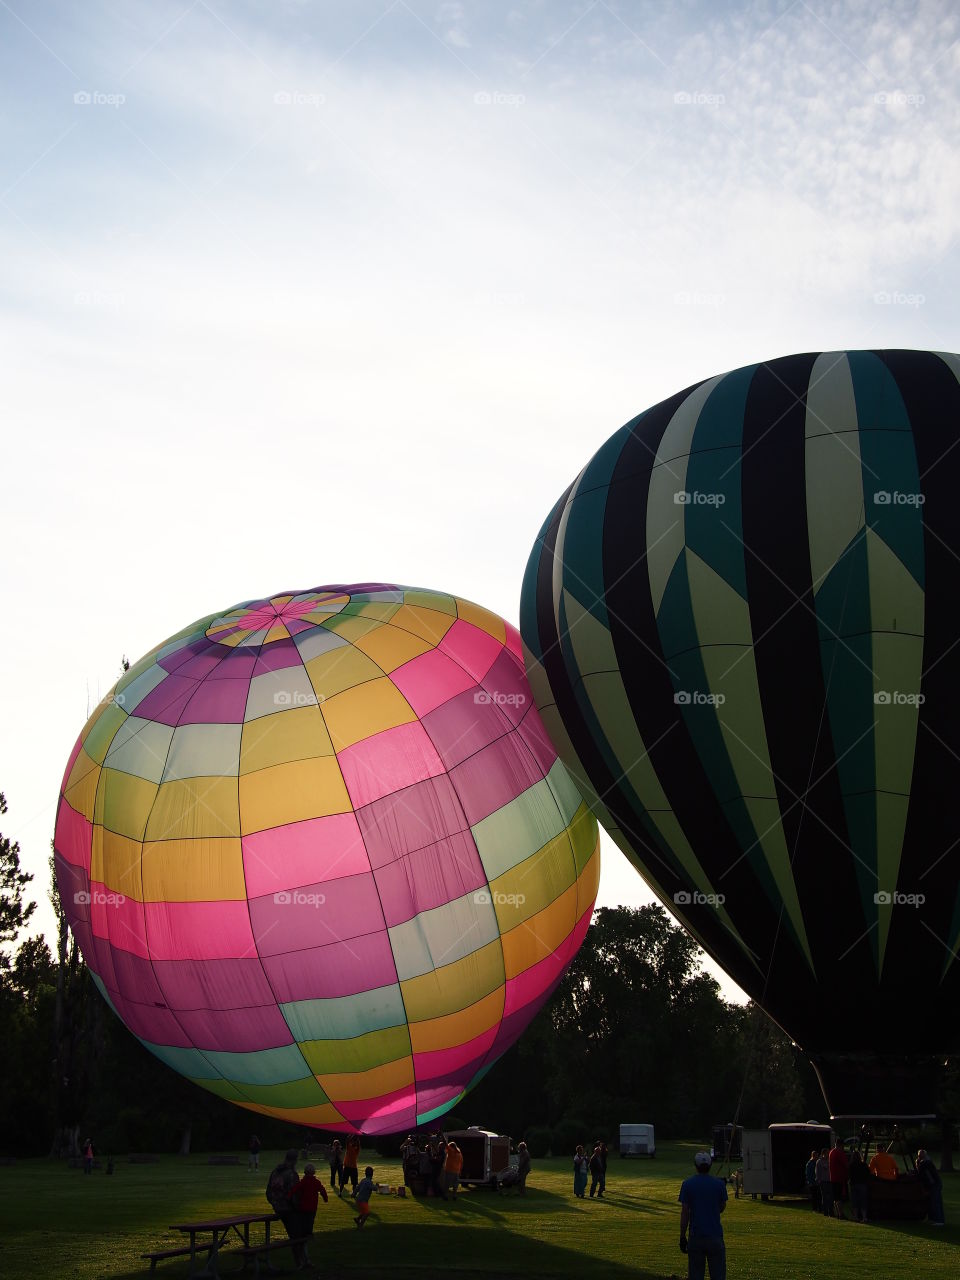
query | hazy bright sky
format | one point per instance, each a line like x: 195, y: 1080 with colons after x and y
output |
x: 300, y: 293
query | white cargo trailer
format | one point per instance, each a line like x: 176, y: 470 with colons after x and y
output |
x: 486, y: 1155
x: 774, y: 1159
x: 637, y: 1140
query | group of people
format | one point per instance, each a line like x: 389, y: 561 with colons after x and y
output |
x: 295, y: 1200
x: 345, y: 1164
x: 594, y: 1166
x: 437, y: 1164
x: 832, y: 1177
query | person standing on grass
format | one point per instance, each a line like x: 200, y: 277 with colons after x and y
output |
x: 581, y: 1166
x: 436, y: 1166
x: 883, y: 1164
x: 930, y: 1178
x: 362, y: 1196
x: 253, y: 1149
x: 336, y: 1166
x: 603, y: 1167
x: 857, y: 1179
x: 839, y: 1171
x: 307, y: 1194
x: 704, y: 1199
x: 824, y: 1185
x: 596, y: 1171
x: 88, y: 1156
x: 452, y: 1167
x: 523, y: 1167
x: 408, y: 1149
x: 810, y: 1178
x: 351, y: 1162
x: 281, y: 1189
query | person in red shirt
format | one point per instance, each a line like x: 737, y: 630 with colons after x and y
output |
x: 305, y: 1196
x: 839, y: 1172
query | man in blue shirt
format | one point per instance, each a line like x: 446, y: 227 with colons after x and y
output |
x: 703, y: 1199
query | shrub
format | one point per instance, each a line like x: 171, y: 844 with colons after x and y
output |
x: 537, y: 1138
x: 567, y: 1133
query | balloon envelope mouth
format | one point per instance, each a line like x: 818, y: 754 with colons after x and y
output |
x: 879, y: 1084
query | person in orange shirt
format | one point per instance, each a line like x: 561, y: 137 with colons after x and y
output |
x: 452, y: 1166
x: 351, y: 1159
x: 883, y: 1165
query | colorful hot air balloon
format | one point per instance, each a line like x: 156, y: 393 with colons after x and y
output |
x: 741, y: 623
x: 321, y: 857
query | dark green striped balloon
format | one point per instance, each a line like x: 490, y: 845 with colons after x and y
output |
x: 742, y: 625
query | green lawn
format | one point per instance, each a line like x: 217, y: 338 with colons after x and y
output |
x: 60, y: 1223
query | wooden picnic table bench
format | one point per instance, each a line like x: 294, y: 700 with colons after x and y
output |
x: 159, y: 1255
x: 256, y: 1251
x: 219, y: 1230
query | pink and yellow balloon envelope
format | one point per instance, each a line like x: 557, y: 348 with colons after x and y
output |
x: 321, y: 857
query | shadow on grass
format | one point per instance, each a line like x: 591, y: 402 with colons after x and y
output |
x: 433, y: 1251
x: 901, y: 1226
x: 488, y: 1204
x: 496, y: 1208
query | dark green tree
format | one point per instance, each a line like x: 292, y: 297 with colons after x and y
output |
x: 14, y: 911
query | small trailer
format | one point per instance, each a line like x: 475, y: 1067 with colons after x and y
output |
x: 637, y: 1140
x: 486, y: 1155
x: 774, y: 1159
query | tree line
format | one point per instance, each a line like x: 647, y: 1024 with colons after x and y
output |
x: 636, y: 1031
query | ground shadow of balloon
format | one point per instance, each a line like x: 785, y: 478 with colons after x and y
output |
x: 386, y: 1251
x: 508, y: 1254
x: 488, y: 1205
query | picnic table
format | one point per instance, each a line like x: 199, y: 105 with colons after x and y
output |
x: 219, y: 1229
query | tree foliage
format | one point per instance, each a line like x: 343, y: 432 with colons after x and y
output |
x: 635, y: 1031
x: 14, y: 912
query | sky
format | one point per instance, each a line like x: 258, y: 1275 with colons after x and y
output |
x: 301, y: 293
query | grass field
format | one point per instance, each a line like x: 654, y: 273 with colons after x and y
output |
x: 57, y: 1222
